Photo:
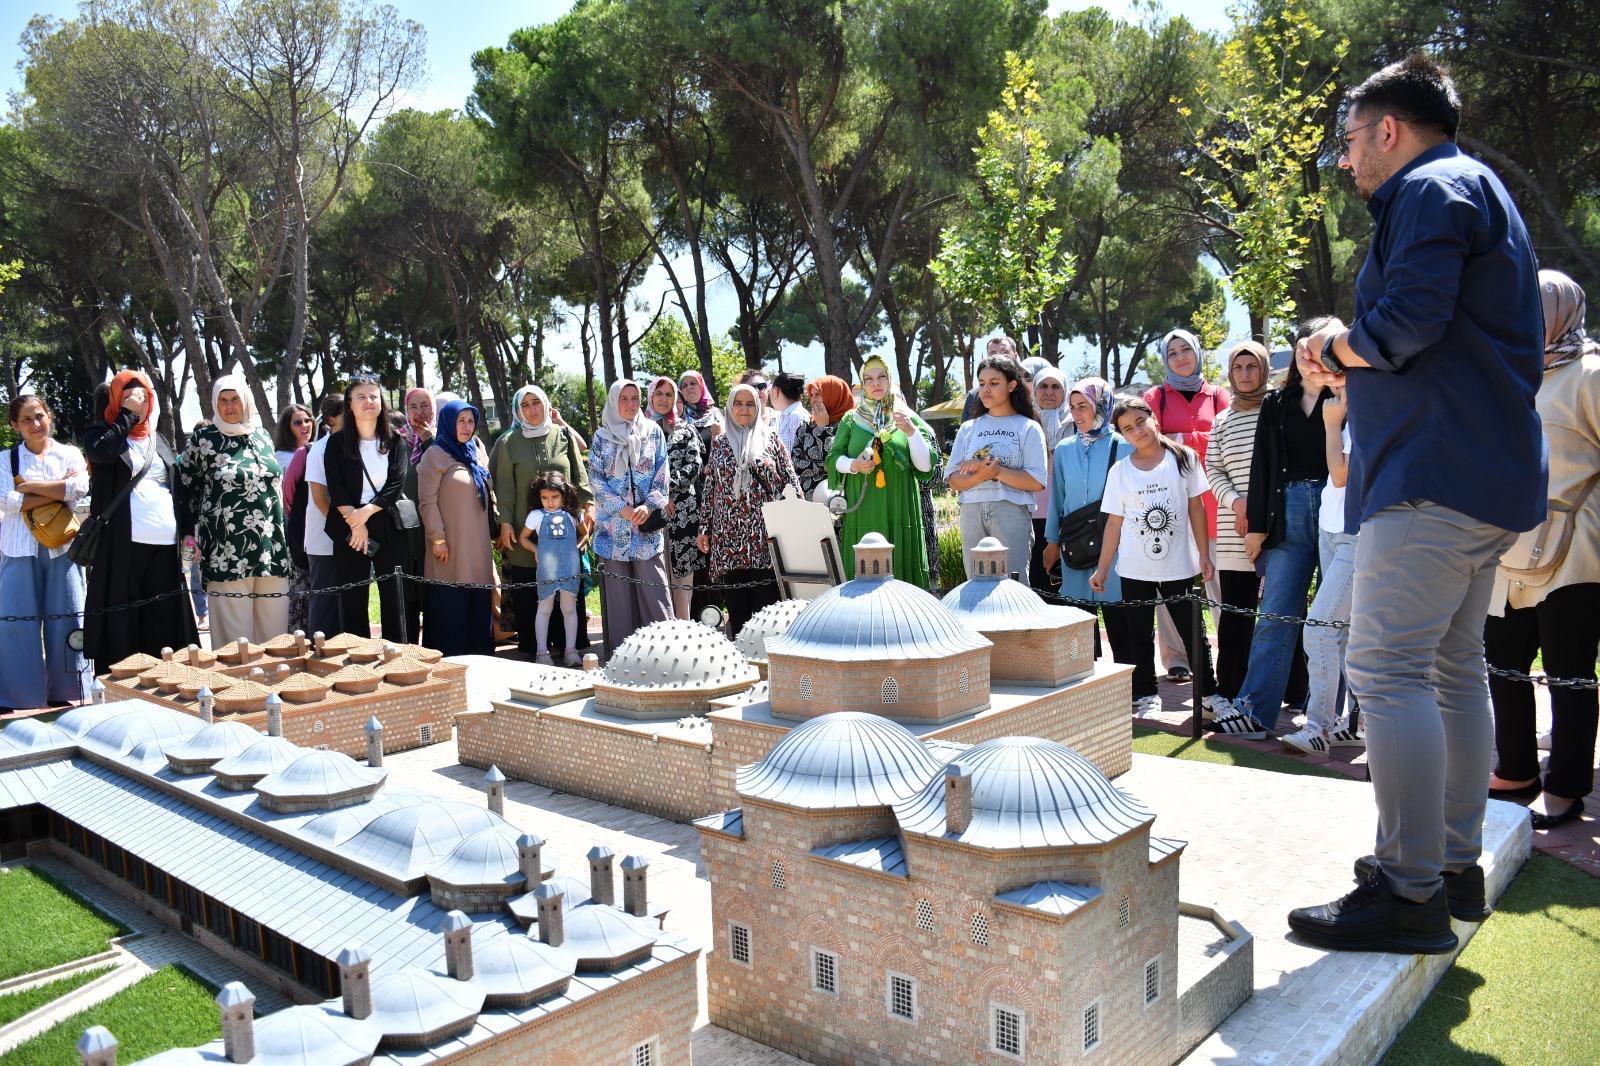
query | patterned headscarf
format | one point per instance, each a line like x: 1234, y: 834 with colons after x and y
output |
x: 411, y: 432
x: 120, y: 385
x: 1184, y: 382
x: 1098, y: 392
x: 749, y: 443
x: 1565, y: 307
x: 878, y: 414
x: 628, y: 434
x: 516, y: 411
x: 705, y: 402
x: 444, y: 438
x: 235, y: 384
x: 1249, y: 401
x: 836, y: 397
x: 670, y: 419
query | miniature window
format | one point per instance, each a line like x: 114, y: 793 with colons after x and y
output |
x: 966, y: 681
x: 426, y: 732
x: 980, y: 929
x: 1124, y: 913
x: 1006, y: 1030
x: 1152, y: 980
x: 901, y: 994
x: 644, y: 1054
x: 1091, y: 1026
x: 924, y: 915
x: 824, y: 972
x: 890, y: 692
x: 780, y: 879
x: 806, y: 691
x: 321, y: 747
x: 739, y: 943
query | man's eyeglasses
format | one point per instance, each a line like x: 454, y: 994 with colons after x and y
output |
x: 1341, y: 142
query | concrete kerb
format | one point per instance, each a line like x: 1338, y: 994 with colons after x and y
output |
x: 125, y: 970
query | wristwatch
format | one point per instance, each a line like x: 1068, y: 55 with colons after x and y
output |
x: 1328, y: 359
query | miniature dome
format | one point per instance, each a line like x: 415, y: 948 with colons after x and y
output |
x: 416, y: 1007
x: 771, y: 621
x: 871, y: 619
x: 407, y: 841
x: 574, y: 893
x: 677, y: 654
x: 840, y: 760
x: 147, y: 755
x: 118, y: 734
x: 335, y: 827
x: 212, y: 744
x: 487, y: 857
x: 320, y: 778
x: 267, y: 755
x: 1028, y: 793
x: 993, y: 603
x: 30, y: 734
x: 306, y: 1034
x: 515, y: 970
x: 604, y: 938
x: 78, y: 721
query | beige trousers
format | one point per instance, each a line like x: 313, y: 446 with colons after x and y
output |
x: 235, y: 618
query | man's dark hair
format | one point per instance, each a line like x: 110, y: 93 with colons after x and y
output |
x: 332, y: 407
x: 1415, y: 90
x: 791, y: 385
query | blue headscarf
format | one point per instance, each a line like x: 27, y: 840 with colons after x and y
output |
x: 444, y: 436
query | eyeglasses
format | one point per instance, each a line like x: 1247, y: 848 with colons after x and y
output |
x: 1342, y: 141
x: 760, y: 386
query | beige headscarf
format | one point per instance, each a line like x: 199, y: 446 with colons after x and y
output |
x: 1565, y: 307
x: 749, y: 443
x: 233, y: 383
x: 1249, y: 401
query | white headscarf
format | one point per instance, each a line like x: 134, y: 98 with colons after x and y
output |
x: 516, y: 411
x: 749, y: 443
x: 1054, y: 420
x: 233, y: 383
x: 628, y: 434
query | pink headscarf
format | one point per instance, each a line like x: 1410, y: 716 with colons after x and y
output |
x: 411, y: 431
x: 670, y: 419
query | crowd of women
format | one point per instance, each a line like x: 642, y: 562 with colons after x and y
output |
x: 1119, y: 504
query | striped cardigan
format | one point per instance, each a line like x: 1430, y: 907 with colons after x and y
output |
x: 1233, y: 438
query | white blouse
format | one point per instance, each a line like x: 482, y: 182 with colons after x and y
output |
x: 58, y: 462
x: 151, y: 507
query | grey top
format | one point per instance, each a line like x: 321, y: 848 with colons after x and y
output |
x: 268, y: 755
x: 412, y: 1002
x: 216, y: 741
x: 487, y: 857
x: 319, y: 774
x: 596, y: 932
x: 519, y: 965
x: 842, y: 760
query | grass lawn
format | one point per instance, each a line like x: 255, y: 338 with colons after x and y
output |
x: 1155, y: 742
x: 43, y: 925
x: 15, y: 1004
x: 169, y: 1008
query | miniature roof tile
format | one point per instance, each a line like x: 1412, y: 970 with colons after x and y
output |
x: 220, y: 740
x: 679, y: 655
x: 137, y: 663
x: 600, y: 851
x: 340, y: 643
x: 1051, y: 897
x: 454, y: 922
x: 283, y: 643
x: 353, y: 955
x: 494, y: 777
x: 96, y: 1038
x: 403, y: 665
x: 413, y: 1003
x: 487, y: 857
x: 1028, y: 793
x: 1162, y: 847
x: 268, y: 755
x: 519, y: 965
x: 307, y: 1035
x: 883, y: 854
x: 235, y: 994
x: 873, y: 619
x: 729, y: 823
x: 215, y: 680
x: 992, y: 603
x: 635, y: 862
x: 243, y: 691
x: 421, y: 654
x: 840, y: 760
x: 373, y: 725
x: 352, y: 672
x: 318, y: 774
x: 766, y: 624
x: 300, y: 681
x: 598, y: 934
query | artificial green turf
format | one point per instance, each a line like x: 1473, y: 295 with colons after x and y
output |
x: 170, y: 1008
x: 1526, y: 989
x: 14, y: 1005
x: 44, y: 925
x: 1148, y: 741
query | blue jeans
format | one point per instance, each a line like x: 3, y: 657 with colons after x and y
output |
x: 1325, y: 645
x: 39, y: 667
x: 1289, y: 569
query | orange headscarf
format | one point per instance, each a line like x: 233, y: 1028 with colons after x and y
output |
x: 119, y: 385
x: 836, y: 396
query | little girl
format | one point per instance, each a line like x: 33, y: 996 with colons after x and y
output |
x: 555, y: 535
x: 1156, y: 530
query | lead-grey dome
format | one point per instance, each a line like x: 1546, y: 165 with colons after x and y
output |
x: 337, y: 826
x: 992, y: 603
x: 296, y: 1036
x: 487, y: 857
x: 329, y: 777
x: 769, y: 623
x: 604, y: 938
x: 1028, y: 793
x: 80, y: 720
x: 268, y: 755
x: 516, y: 970
x: 32, y: 735
x: 210, y: 745
x: 414, y: 1007
x: 676, y: 654
x: 118, y: 734
x: 841, y: 760
x: 408, y: 841
x: 872, y: 619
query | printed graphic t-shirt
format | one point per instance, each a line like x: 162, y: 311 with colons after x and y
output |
x: 1016, y: 440
x: 1156, y: 544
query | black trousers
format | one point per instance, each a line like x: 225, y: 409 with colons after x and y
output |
x: 1142, y: 620
x: 1118, y: 634
x: 1566, y: 628
x: 742, y: 603
x: 1242, y: 588
x: 525, y: 605
x: 351, y: 566
x: 1038, y: 577
x: 460, y: 621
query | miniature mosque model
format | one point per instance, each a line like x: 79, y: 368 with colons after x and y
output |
x: 915, y: 850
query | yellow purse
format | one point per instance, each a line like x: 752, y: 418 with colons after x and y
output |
x: 54, y: 524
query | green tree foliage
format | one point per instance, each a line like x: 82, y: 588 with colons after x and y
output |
x: 668, y: 351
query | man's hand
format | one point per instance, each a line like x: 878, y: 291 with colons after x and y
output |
x: 1308, y: 356
x: 1052, y: 552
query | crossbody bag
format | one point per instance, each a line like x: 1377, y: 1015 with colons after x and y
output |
x: 1083, y: 530
x: 52, y: 524
x: 1532, y: 561
x: 403, y: 513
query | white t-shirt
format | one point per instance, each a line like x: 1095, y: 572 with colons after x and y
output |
x: 316, y: 539
x: 1330, y: 513
x: 377, y: 465
x: 150, y: 505
x: 1016, y: 440
x: 1156, y: 543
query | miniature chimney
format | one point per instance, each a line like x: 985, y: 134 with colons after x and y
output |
x: 301, y: 645
x: 97, y: 1047
x: 495, y: 782
x: 318, y: 639
x: 552, y: 931
x: 957, y: 798
x: 874, y: 557
x: 990, y: 557
x: 238, y: 1022
x: 97, y: 691
x: 166, y: 655
x: 274, y: 715
x: 602, y: 875
x: 374, y: 731
x: 258, y: 673
x: 591, y: 661
x: 207, y: 701
x: 354, y: 963
x: 391, y: 652
x: 528, y: 859
x: 457, y: 929
x: 635, y: 896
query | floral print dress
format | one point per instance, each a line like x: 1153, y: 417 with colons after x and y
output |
x: 685, y: 461
x: 735, y: 527
x: 237, y: 488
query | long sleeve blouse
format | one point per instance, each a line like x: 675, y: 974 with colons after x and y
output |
x: 58, y: 462
x: 645, y: 483
x: 347, y: 482
x: 516, y: 460
x: 1077, y: 479
x: 236, y: 484
x: 735, y: 526
x: 1233, y: 441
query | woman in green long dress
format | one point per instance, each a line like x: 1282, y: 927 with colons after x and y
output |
x: 880, y: 457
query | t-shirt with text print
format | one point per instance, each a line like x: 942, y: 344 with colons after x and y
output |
x: 1157, y: 543
x: 1016, y: 440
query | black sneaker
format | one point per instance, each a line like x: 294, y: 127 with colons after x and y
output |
x: 1463, y: 890
x: 1179, y: 675
x: 1372, y: 918
x: 1239, y: 725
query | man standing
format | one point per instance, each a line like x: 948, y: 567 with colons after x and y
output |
x: 1447, y: 464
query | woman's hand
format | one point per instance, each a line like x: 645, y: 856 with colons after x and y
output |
x: 639, y: 516
x: 716, y: 430
x: 902, y: 423
x: 1335, y: 407
x: 358, y: 539
x: 1052, y: 552
x: 507, y: 540
x: 703, y: 542
x: 441, y: 551
x: 1097, y: 580
x: 1208, y: 569
x: 861, y: 464
x: 989, y: 470
x: 1253, y: 543
x: 1241, y: 525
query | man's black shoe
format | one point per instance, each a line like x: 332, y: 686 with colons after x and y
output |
x: 1179, y: 675
x: 1463, y: 890
x: 1371, y: 918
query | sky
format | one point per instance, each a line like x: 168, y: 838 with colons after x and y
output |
x: 455, y: 30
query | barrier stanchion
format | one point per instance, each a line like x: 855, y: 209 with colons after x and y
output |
x: 1197, y: 654
x: 400, y: 598
x: 605, y: 616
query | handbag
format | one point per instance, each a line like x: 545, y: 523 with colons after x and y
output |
x: 82, y: 548
x: 1532, y: 561
x: 402, y: 513
x: 1083, y: 529
x: 657, y: 519
x: 52, y: 524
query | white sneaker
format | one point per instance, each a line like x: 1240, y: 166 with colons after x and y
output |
x: 1343, y: 736
x: 1216, y: 706
x: 1543, y: 742
x: 1307, y: 741
x: 1145, y: 706
x: 543, y: 659
x: 573, y: 658
x: 1239, y: 725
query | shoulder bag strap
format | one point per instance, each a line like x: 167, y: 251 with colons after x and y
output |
x: 127, y: 490
x: 16, y: 473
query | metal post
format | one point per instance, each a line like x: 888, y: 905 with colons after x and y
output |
x: 1197, y: 686
x: 400, y: 595
x: 605, y: 618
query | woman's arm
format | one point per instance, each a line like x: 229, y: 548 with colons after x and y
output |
x: 1108, y: 552
x: 104, y: 442
x: 655, y: 497
x: 525, y: 537
x: 607, y: 495
x: 1257, y: 498
x: 430, y: 472
x: 1333, y: 412
x: 785, y: 465
x: 1202, y: 540
x: 836, y: 453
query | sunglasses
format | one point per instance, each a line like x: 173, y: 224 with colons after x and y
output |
x: 760, y: 386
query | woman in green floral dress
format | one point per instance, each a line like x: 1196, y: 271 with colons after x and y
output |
x: 231, y: 474
x: 881, y: 455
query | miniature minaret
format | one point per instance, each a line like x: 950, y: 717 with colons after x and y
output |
x: 207, y: 701
x: 957, y: 798
x: 457, y: 929
x: 355, y: 980
x: 989, y: 558
x: 874, y: 557
x: 602, y: 875
x: 552, y: 929
x: 97, y: 691
x: 495, y: 782
x: 374, y: 731
x: 635, y: 896
x: 97, y: 1047
x: 274, y: 715
x: 528, y: 859
x: 238, y: 1022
